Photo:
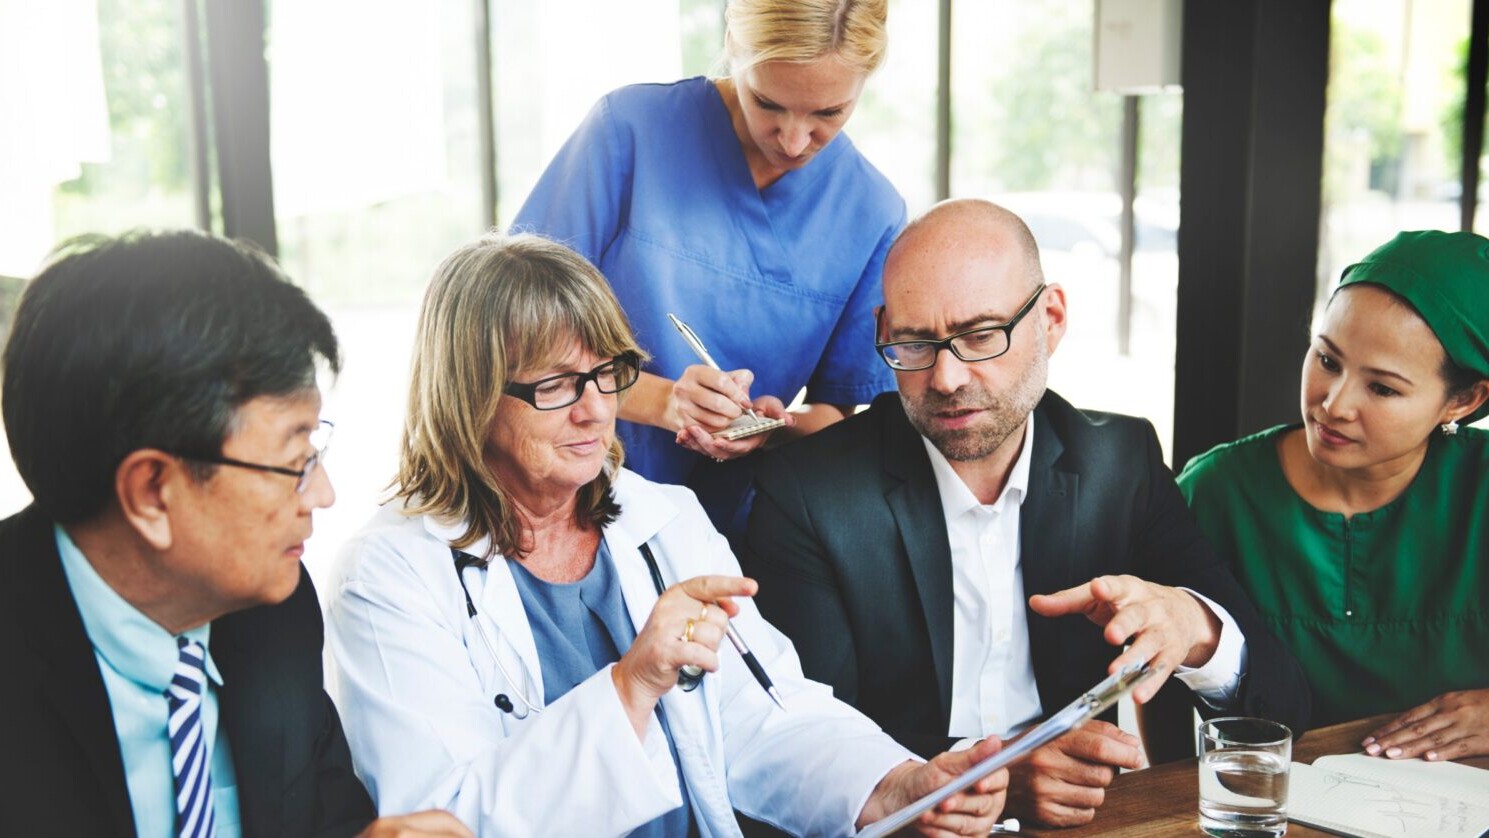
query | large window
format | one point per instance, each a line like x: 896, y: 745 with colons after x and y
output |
x: 94, y: 104
x: 894, y: 123
x: 1030, y: 132
x: 1392, y: 127
x: 550, y: 72
x: 374, y: 152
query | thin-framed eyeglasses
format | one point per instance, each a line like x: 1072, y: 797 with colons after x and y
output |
x: 320, y: 441
x: 983, y: 343
x: 558, y: 391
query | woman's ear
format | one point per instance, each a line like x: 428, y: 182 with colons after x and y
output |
x: 1467, y: 402
x: 142, y: 484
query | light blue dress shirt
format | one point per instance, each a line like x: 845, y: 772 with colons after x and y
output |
x: 137, y: 659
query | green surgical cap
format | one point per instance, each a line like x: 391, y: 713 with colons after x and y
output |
x: 1445, y: 277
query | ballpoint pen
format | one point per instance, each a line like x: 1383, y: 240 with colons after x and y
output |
x: 694, y: 674
x: 700, y: 350
x: 755, y: 668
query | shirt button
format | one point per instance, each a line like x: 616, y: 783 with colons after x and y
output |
x: 1001, y: 636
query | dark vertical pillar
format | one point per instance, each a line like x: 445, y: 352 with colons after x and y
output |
x: 1475, y: 75
x: 239, y: 76
x: 486, y: 113
x: 943, y: 102
x: 1127, y: 188
x: 1254, y: 74
x: 198, y: 141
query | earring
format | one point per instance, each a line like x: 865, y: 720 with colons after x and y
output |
x: 1449, y: 428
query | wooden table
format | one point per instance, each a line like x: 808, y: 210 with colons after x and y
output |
x: 1165, y: 800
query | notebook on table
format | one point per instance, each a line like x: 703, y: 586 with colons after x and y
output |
x: 1355, y: 794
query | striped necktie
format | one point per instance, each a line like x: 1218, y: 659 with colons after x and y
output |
x: 188, y: 741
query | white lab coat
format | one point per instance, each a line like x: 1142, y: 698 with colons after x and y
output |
x: 417, y: 692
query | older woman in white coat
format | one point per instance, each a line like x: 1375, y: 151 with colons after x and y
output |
x: 517, y: 630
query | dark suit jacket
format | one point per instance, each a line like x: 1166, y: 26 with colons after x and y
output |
x: 61, y: 772
x: 848, y: 541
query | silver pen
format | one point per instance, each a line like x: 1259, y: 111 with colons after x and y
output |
x: 699, y: 349
x: 754, y: 664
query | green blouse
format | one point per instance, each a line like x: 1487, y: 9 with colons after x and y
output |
x: 1385, y: 609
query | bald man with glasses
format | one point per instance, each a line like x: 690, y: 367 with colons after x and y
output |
x: 972, y: 552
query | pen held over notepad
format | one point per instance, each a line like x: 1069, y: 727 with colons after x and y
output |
x: 700, y: 350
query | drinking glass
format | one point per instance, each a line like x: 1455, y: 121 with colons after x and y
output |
x: 1243, y: 766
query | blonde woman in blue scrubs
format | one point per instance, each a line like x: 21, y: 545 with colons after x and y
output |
x: 737, y: 204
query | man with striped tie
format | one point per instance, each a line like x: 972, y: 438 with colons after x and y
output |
x: 159, y: 638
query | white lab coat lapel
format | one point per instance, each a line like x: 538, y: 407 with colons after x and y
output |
x: 694, y: 717
x: 499, y: 604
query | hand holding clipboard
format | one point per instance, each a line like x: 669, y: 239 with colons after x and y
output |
x: 1090, y: 705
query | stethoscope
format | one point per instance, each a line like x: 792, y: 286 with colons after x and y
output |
x: 688, y: 677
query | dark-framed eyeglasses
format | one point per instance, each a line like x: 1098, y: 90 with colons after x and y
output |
x: 320, y: 441
x: 983, y: 343
x: 558, y: 391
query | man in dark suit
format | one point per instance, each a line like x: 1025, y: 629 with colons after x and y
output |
x: 159, y: 637
x: 900, y: 548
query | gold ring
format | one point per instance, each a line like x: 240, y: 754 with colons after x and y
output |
x: 703, y: 615
x: 687, y: 632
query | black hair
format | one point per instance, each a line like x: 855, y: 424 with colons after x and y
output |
x: 147, y: 340
x: 1459, y: 379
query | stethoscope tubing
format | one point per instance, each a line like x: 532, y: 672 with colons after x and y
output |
x: 688, y: 677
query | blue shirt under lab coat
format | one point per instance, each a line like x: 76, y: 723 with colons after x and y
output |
x: 581, y: 628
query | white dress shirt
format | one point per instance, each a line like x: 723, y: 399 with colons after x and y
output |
x: 993, y: 691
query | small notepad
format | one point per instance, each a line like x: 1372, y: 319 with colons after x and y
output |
x: 744, y: 426
x: 1368, y: 796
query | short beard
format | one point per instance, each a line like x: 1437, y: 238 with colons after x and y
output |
x: 1003, y: 418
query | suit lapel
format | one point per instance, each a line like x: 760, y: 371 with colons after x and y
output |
x: 245, y: 701
x: 915, y: 501
x: 66, y: 663
x: 1046, y: 532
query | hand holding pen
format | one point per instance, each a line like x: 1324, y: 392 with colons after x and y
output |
x: 696, y: 344
x: 702, y: 401
x: 685, y: 628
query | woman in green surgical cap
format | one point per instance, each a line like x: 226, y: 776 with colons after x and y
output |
x: 1363, y: 532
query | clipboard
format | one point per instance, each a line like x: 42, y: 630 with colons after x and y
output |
x: 746, y: 425
x: 1090, y: 705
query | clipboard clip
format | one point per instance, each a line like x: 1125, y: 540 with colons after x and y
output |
x: 1108, y: 692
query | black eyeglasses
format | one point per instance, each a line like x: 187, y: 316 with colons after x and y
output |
x: 320, y: 440
x: 558, y: 391
x: 980, y: 344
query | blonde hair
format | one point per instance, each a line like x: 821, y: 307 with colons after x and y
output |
x: 757, y: 31
x: 495, y: 307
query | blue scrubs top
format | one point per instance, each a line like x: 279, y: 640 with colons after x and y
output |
x: 653, y: 188
x: 579, y: 628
